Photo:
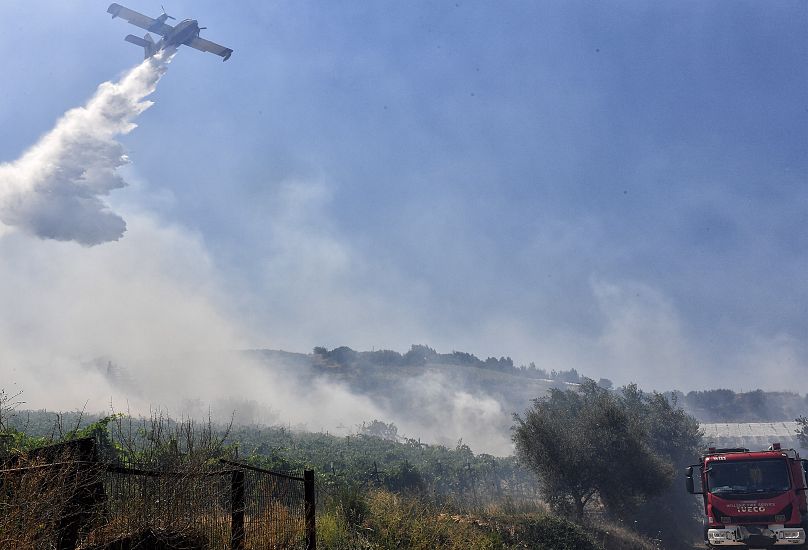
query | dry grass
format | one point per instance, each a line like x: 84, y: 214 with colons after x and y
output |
x: 617, y: 537
x: 274, y: 529
x: 395, y: 521
x: 401, y: 522
x: 42, y: 500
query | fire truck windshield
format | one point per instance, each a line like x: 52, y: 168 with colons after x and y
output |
x: 752, y: 476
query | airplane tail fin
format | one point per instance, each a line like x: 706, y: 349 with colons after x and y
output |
x: 147, y: 43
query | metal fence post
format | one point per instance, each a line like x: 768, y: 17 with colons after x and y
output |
x: 308, y: 496
x: 237, y: 504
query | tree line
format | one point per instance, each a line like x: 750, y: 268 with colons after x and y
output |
x: 421, y: 355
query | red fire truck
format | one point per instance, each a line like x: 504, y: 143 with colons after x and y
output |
x: 752, y: 499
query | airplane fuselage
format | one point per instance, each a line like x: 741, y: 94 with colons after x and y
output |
x: 185, y: 30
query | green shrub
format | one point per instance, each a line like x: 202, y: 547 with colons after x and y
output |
x: 332, y: 531
x: 354, y: 506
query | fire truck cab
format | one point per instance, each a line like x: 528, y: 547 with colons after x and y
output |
x: 752, y: 499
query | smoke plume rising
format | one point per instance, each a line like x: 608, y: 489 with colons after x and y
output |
x: 55, y: 189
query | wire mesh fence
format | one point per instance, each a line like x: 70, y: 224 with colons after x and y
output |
x: 89, y: 505
x: 275, y: 508
x: 189, y: 507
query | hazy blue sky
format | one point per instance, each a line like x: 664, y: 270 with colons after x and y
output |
x: 619, y: 187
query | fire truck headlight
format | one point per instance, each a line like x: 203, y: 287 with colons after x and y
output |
x: 791, y: 534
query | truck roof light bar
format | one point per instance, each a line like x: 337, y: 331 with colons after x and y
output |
x: 714, y: 450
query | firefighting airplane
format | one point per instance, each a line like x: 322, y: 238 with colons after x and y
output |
x: 185, y: 32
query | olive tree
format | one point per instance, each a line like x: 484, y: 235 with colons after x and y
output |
x: 587, y: 444
x: 674, y: 515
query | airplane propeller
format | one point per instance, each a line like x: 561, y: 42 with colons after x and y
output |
x: 164, y: 13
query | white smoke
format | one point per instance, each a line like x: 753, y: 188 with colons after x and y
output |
x: 55, y: 189
x: 143, y: 323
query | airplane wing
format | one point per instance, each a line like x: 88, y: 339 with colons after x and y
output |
x: 139, y: 20
x: 208, y: 46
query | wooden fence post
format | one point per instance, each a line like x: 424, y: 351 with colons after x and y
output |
x: 237, y: 505
x: 82, y: 473
x: 309, y: 497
